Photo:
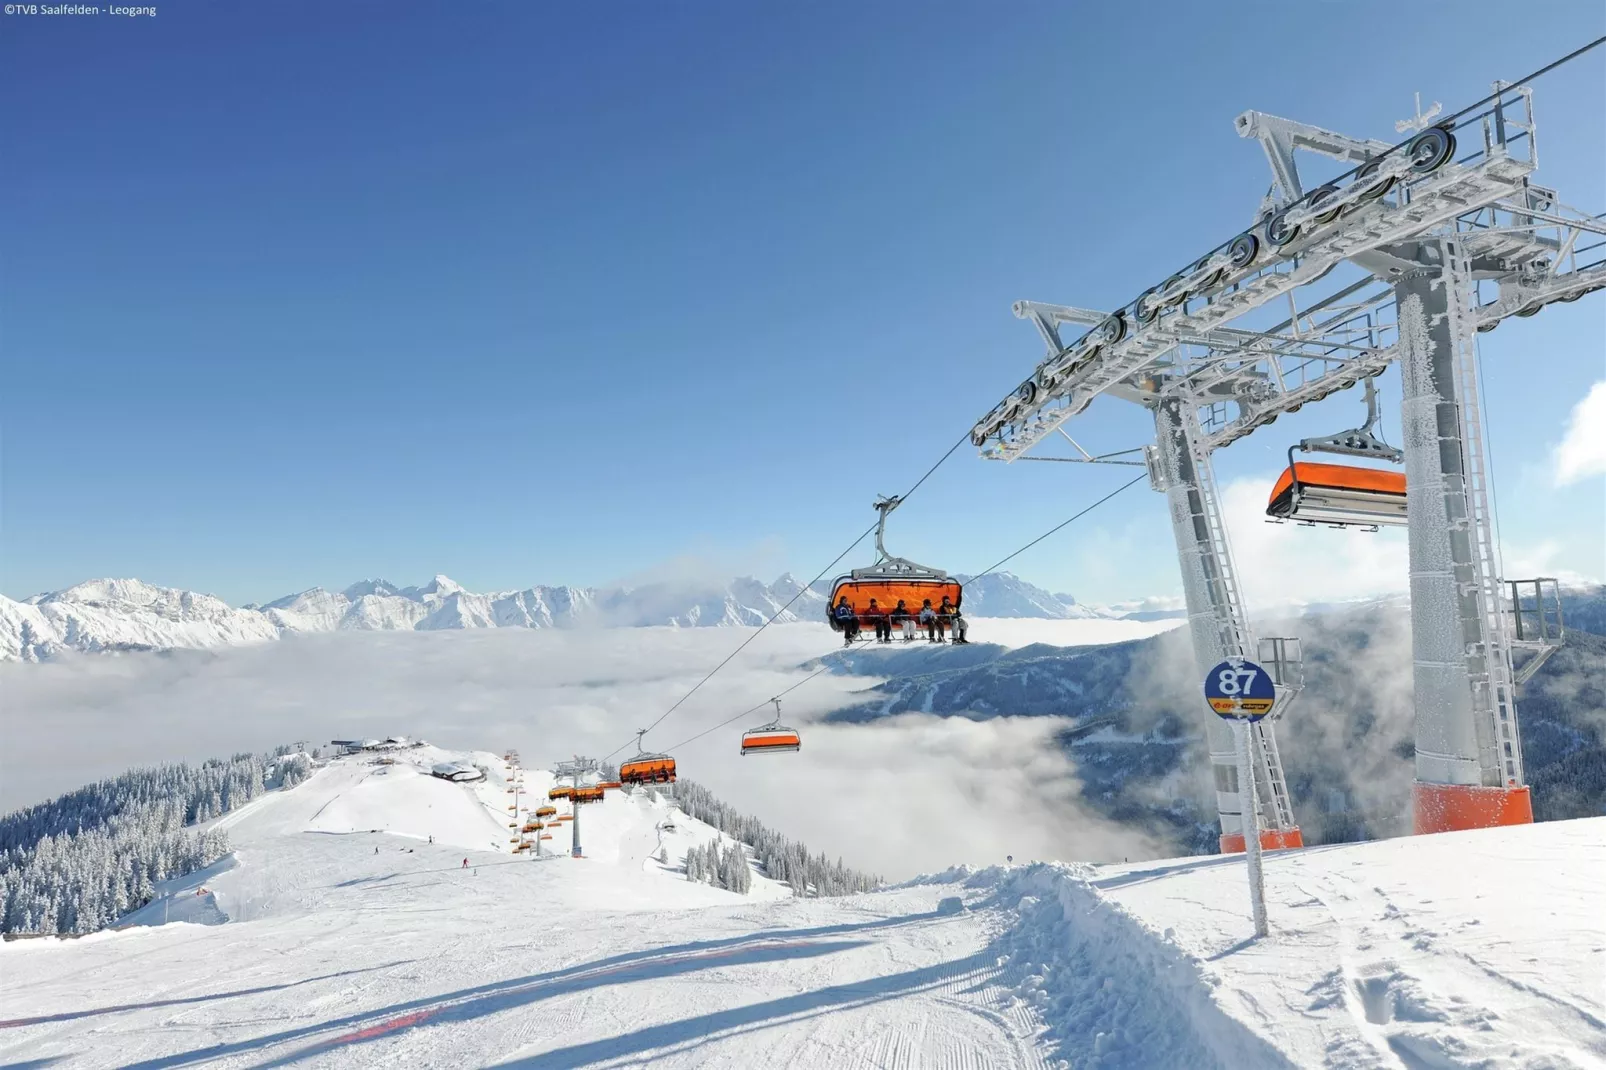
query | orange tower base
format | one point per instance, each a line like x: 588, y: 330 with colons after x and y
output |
x: 1270, y: 840
x: 1455, y: 807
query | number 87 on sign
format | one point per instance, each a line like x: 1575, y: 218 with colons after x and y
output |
x: 1240, y: 690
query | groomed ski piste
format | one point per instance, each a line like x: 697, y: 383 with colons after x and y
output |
x: 337, y: 934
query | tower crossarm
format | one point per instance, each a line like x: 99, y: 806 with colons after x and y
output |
x: 1280, y: 137
x: 1402, y: 194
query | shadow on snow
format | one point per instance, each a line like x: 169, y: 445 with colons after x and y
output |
x: 470, y: 1003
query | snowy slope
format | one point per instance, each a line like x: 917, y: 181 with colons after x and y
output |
x: 311, y: 947
x: 1480, y: 949
x: 335, y: 955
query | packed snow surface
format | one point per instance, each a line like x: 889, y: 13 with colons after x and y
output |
x: 339, y: 935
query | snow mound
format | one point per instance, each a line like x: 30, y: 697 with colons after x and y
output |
x: 402, y: 800
x: 1478, y: 949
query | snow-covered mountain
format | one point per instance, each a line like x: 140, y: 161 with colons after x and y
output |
x: 1004, y: 594
x: 121, y: 615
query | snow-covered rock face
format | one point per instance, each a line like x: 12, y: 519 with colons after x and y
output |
x: 124, y: 615
x: 1004, y: 594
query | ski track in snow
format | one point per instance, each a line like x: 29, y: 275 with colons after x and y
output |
x: 337, y: 956
x: 1471, y: 950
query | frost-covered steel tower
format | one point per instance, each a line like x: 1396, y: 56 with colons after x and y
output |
x: 1406, y: 254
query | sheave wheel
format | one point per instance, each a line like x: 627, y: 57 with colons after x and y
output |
x: 1364, y: 175
x: 1243, y: 250
x: 1431, y: 150
x: 1112, y: 330
x: 1321, y: 196
x: 1279, y: 231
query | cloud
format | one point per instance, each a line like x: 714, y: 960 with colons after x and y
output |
x: 897, y: 797
x: 1524, y: 560
x: 1582, y: 450
x: 1282, y: 564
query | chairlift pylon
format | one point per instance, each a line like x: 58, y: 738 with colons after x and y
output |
x: 1342, y: 495
x: 773, y: 736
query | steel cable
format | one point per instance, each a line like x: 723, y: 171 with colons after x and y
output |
x: 808, y: 586
x: 823, y: 668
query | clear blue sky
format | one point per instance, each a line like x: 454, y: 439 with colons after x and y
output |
x: 297, y: 293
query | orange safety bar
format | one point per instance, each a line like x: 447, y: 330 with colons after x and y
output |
x: 546, y: 836
x: 566, y: 817
x: 887, y: 593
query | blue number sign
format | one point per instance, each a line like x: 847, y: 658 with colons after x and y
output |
x: 1240, y: 690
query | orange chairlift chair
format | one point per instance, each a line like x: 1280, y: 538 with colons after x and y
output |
x: 1342, y: 495
x: 647, y: 768
x: 888, y: 581
x: 544, y: 812
x: 771, y: 737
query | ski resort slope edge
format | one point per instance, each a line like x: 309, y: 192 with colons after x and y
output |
x: 332, y: 944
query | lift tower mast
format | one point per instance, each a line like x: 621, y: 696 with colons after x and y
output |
x: 1436, y: 247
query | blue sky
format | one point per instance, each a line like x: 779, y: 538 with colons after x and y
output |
x: 298, y: 293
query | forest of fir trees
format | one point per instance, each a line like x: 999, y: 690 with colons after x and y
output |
x: 79, y: 862
x: 783, y: 859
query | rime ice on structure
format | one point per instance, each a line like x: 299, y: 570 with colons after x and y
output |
x: 1451, y: 237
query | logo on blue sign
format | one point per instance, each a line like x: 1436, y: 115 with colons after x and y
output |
x: 1240, y: 690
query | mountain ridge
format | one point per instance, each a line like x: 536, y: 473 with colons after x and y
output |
x: 122, y: 615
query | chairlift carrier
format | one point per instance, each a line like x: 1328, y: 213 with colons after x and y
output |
x: 1342, y: 495
x: 771, y: 737
x: 645, y: 767
x: 889, y: 580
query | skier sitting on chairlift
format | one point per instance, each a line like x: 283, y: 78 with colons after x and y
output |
x: 903, y: 620
x: 930, y: 621
x: 950, y: 612
x: 878, y: 618
x: 848, y: 619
